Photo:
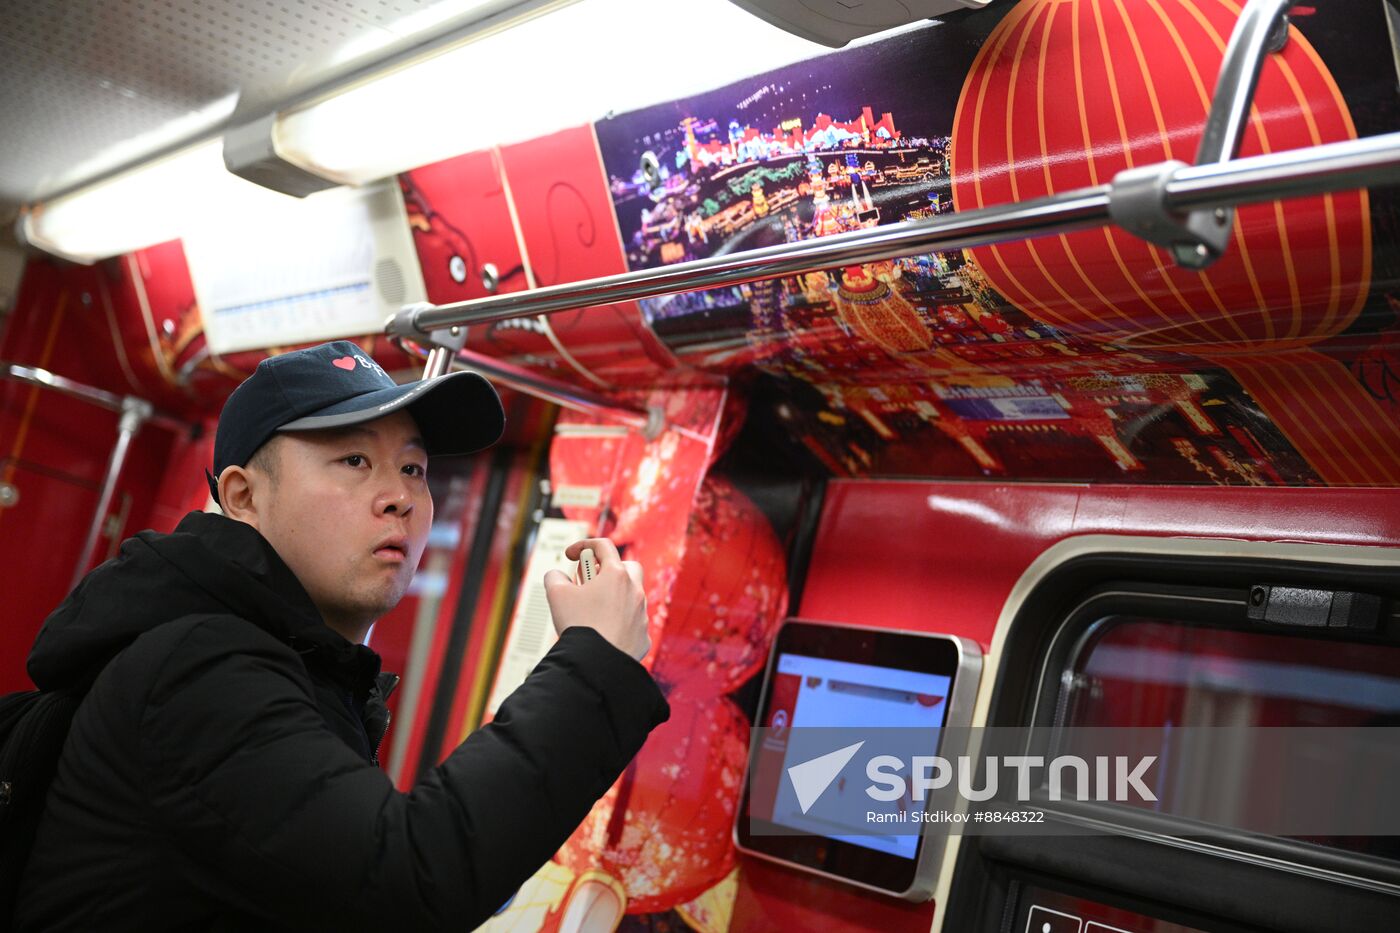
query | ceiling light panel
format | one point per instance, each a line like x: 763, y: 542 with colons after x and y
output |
x: 571, y: 66
x: 87, y: 86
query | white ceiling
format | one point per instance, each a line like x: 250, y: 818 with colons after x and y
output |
x: 87, y: 86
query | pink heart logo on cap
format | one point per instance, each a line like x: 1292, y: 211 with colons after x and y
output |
x: 345, y: 362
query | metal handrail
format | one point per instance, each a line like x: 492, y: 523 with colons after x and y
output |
x: 1262, y: 28
x: 650, y: 422
x: 1199, y: 238
x: 134, y: 413
x: 99, y: 397
x: 1313, y: 170
x: 42, y: 377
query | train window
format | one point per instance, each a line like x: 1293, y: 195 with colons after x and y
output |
x: 1128, y: 641
x: 1138, y: 671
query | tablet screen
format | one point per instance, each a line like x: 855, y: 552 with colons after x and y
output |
x: 830, y: 676
x: 811, y: 691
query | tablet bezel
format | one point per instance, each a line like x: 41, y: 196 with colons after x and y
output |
x: 951, y: 656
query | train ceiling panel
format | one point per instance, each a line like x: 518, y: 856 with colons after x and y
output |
x: 90, y: 86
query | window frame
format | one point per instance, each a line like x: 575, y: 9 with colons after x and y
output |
x: 1236, y: 880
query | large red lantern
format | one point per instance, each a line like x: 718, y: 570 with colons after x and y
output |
x: 663, y: 829
x: 716, y: 595
x: 728, y: 597
x: 1065, y: 95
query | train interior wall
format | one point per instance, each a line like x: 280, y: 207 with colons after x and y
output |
x: 891, y: 445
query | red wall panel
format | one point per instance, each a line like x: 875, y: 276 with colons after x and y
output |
x: 570, y: 233
x: 54, y: 449
x: 461, y: 222
x: 943, y: 557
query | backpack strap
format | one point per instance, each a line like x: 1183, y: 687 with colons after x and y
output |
x: 34, y: 725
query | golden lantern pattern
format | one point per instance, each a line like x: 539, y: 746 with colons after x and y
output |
x: 760, y: 201
x: 879, y: 313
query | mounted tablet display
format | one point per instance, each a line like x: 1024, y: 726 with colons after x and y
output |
x: 849, y: 677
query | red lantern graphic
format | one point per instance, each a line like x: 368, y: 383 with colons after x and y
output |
x: 729, y: 595
x: 878, y: 312
x: 663, y: 829
x: 716, y: 594
x: 1065, y: 95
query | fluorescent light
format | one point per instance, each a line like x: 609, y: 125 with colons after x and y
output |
x: 138, y: 147
x: 159, y: 201
x: 572, y: 66
x: 559, y: 66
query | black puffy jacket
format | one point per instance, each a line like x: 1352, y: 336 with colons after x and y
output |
x: 220, y: 774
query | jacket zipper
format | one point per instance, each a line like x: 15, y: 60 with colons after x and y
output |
x: 388, y: 718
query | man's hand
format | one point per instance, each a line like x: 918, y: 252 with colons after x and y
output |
x: 614, y: 602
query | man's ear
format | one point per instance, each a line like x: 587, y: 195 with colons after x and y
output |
x: 238, y: 494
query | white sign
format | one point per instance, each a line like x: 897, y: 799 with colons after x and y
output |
x: 531, y: 632
x: 335, y: 264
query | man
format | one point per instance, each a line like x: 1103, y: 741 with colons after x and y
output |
x: 222, y: 772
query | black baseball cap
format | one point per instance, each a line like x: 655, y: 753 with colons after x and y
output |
x: 337, y: 384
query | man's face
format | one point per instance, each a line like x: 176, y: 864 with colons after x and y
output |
x: 349, y: 513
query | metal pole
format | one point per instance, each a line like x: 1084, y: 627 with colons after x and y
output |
x: 1339, y: 166
x: 134, y: 411
x: 42, y: 377
x: 1370, y: 162
x: 439, y: 362
x: 970, y: 228
x: 1198, y: 239
x: 99, y: 397
x: 650, y: 423
x: 1262, y: 27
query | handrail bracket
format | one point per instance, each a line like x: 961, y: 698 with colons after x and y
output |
x: 1137, y: 202
x: 1138, y: 199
